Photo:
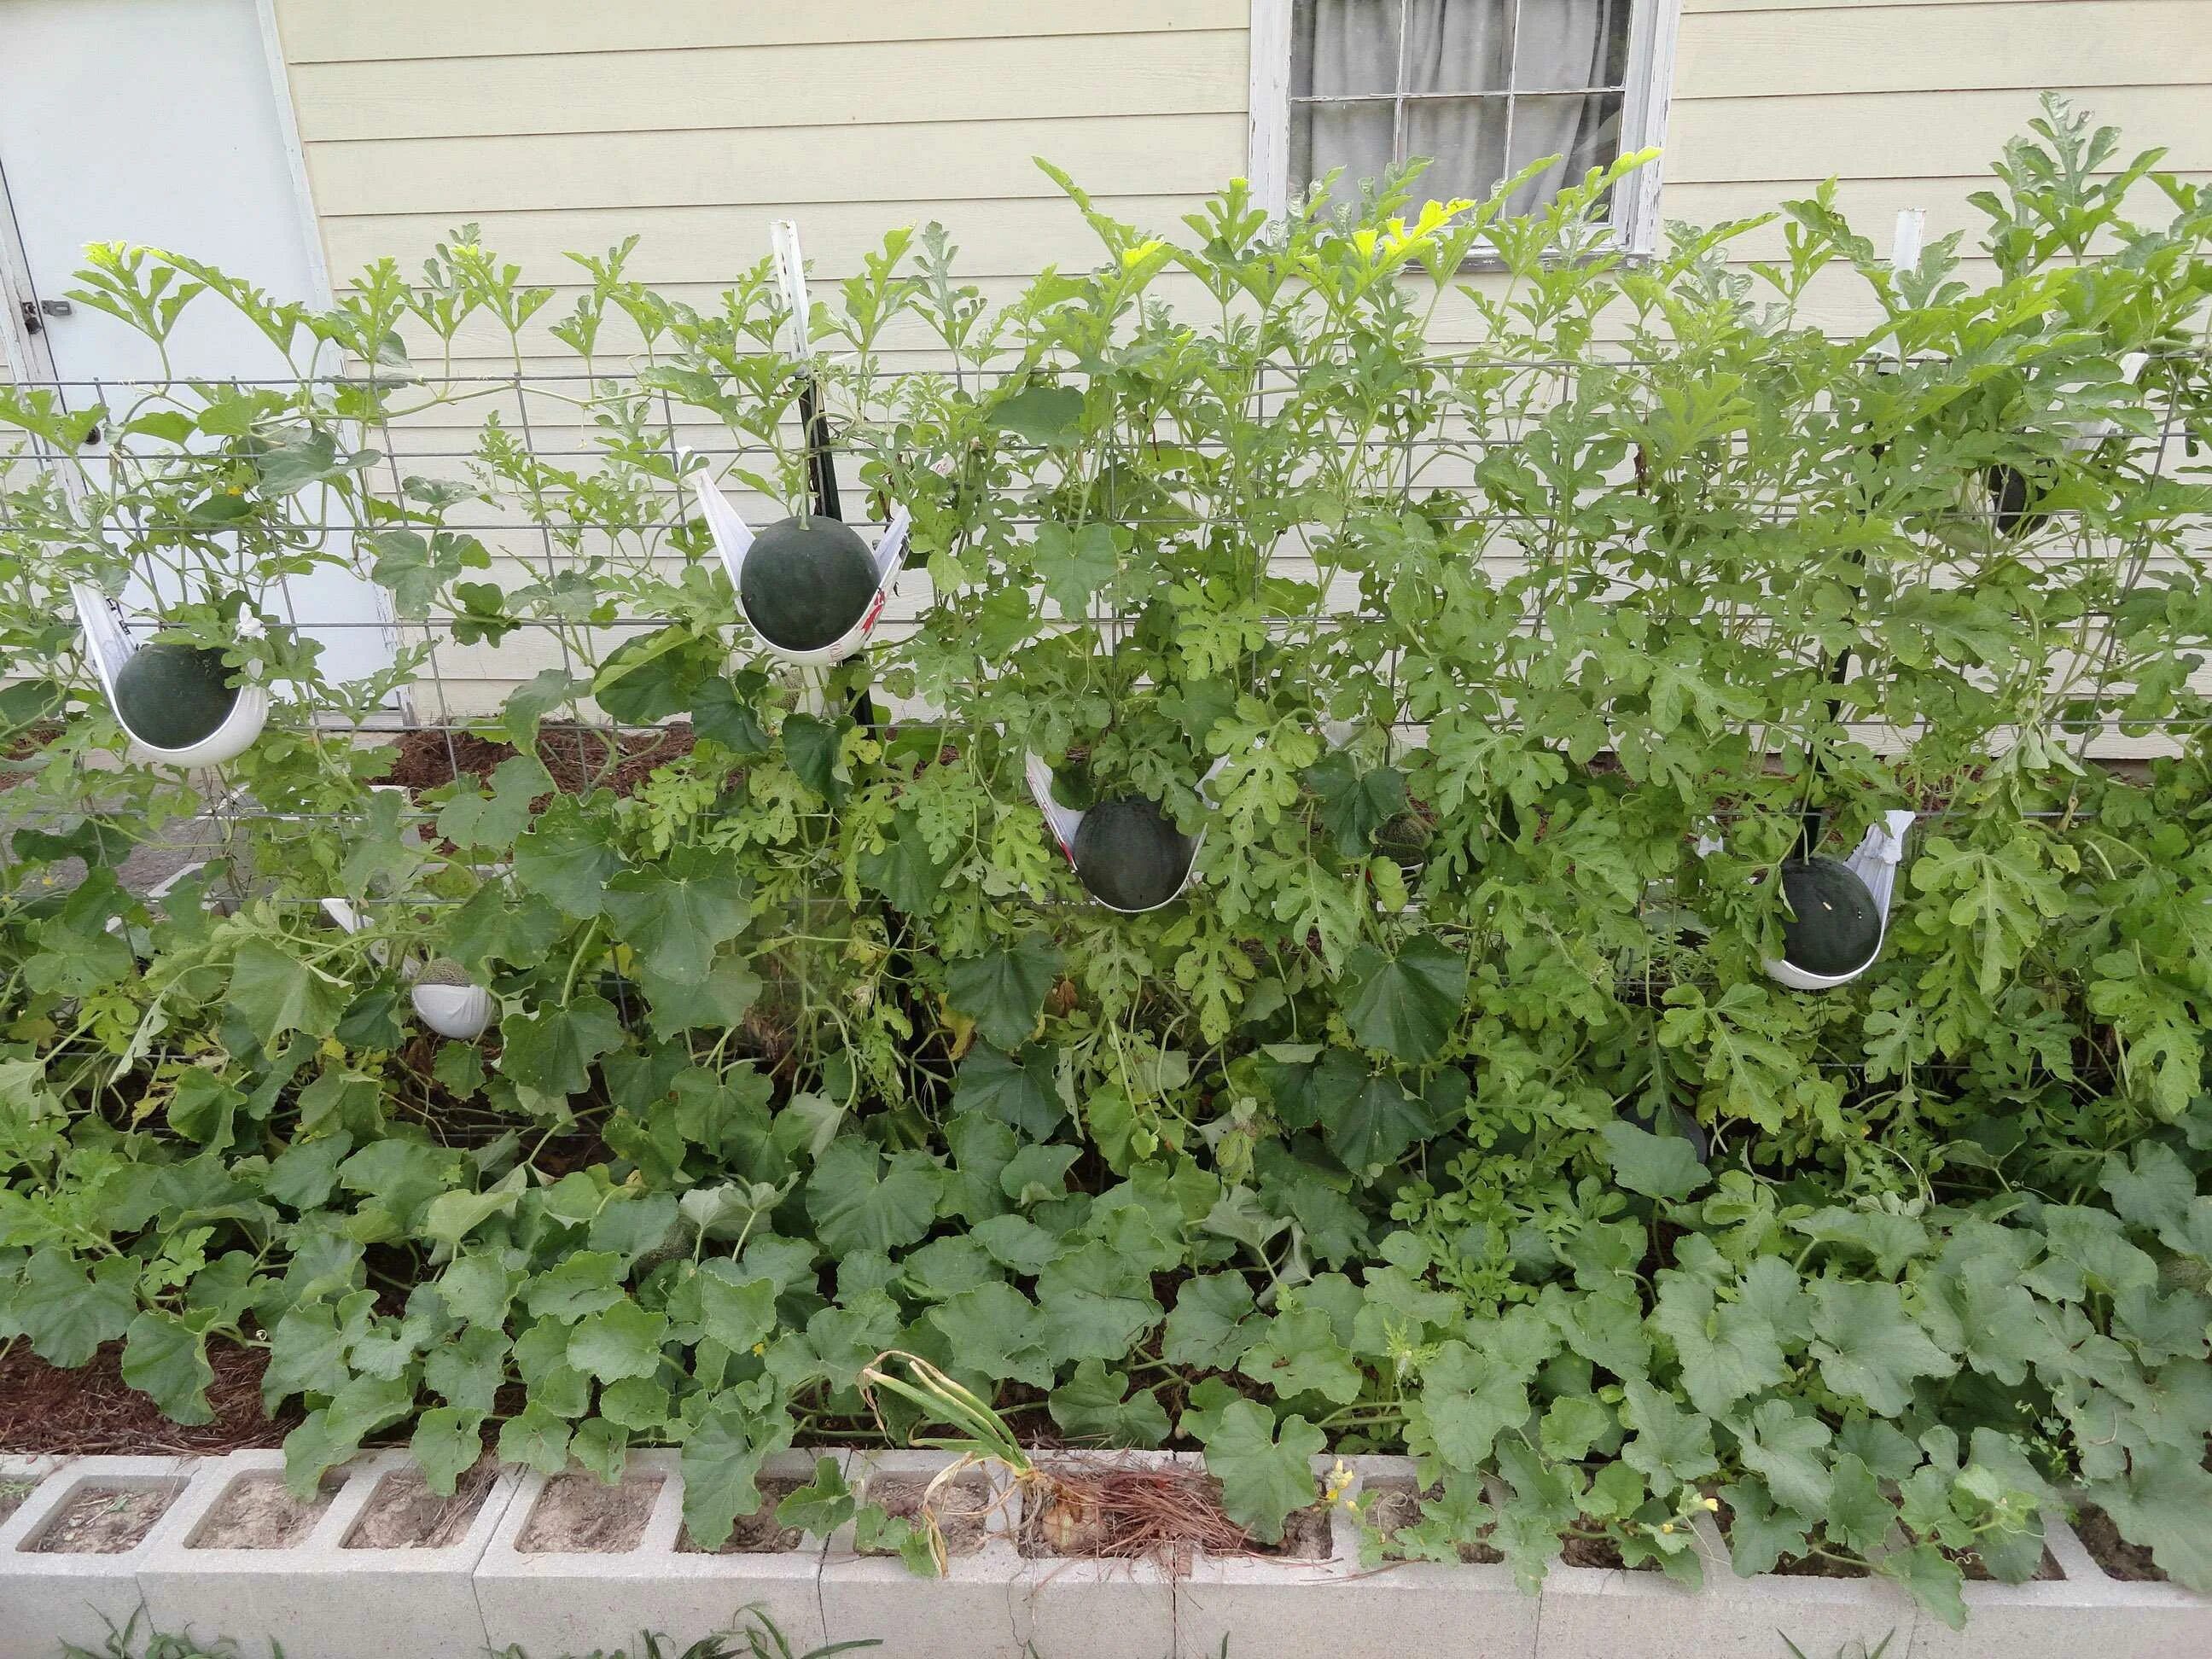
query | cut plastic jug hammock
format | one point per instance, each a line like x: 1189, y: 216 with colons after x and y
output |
x: 463, y: 1012
x: 107, y: 629
x: 733, y: 539
x: 1065, y: 823
x: 1875, y: 861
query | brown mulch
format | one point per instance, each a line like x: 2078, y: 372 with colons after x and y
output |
x: 2112, y: 1554
x: 575, y: 755
x: 22, y: 747
x: 93, y: 1411
x: 1160, y: 1514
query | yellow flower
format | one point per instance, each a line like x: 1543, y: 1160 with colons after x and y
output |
x: 1712, y: 1505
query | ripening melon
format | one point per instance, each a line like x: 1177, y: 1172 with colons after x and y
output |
x: 807, y: 582
x: 172, y: 696
x: 1129, y: 856
x: 1834, y: 926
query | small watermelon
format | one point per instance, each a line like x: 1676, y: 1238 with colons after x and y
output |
x: 1403, y: 839
x: 2008, y: 500
x: 1834, y: 926
x: 807, y: 582
x: 172, y: 696
x: 1129, y: 856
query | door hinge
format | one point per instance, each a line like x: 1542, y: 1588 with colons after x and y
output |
x: 35, y: 312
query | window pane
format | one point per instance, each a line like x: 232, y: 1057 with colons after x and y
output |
x: 1585, y: 132
x: 1566, y: 44
x: 1344, y: 46
x: 1353, y: 136
x: 1458, y: 45
x: 1465, y: 139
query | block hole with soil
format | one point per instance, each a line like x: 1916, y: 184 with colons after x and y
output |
x: 1392, y: 1506
x: 759, y: 1532
x: 103, y: 1519
x: 13, y: 1496
x: 1163, y: 1515
x: 961, y: 1507
x: 403, y: 1513
x: 2115, y: 1557
x: 258, y: 1512
x: 582, y: 1513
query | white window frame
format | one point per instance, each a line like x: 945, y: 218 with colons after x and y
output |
x: 1649, y: 79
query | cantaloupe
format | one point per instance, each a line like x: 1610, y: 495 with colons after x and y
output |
x: 1834, y: 926
x: 807, y: 582
x: 172, y: 696
x: 1129, y: 856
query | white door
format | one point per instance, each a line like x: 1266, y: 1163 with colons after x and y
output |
x: 157, y: 122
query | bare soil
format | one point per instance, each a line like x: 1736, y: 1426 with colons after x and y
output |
x: 403, y: 1513
x: 577, y: 756
x: 24, y: 746
x: 2113, y: 1554
x: 1818, y: 1566
x: 1307, y: 1536
x: 1577, y: 1550
x: 1970, y: 1563
x: 106, y: 1520
x: 259, y: 1513
x: 92, y: 1411
x: 1397, y: 1506
x: 759, y: 1532
x: 958, y: 1507
x: 579, y: 1511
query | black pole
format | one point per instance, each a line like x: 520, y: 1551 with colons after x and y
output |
x: 821, y: 465
x: 821, y: 486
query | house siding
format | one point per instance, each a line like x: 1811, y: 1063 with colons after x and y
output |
x: 570, y: 125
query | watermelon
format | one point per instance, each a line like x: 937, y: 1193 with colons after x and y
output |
x: 2009, y: 500
x: 1403, y: 839
x: 1835, y: 926
x: 807, y: 582
x: 172, y: 696
x: 1129, y: 856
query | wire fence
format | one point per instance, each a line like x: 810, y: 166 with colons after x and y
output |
x: 557, y: 530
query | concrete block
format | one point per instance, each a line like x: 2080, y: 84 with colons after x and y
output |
x: 2083, y: 1612
x: 50, y: 1595
x: 1403, y: 1609
x: 1092, y: 1607
x: 969, y: 1612
x: 1304, y: 1605
x: 194, y: 1586
x: 20, y: 1474
x: 553, y: 1602
x: 348, y: 1590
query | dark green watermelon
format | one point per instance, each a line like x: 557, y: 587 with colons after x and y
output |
x: 1834, y: 926
x: 1403, y: 838
x: 807, y: 582
x: 1129, y: 856
x: 2009, y: 500
x: 172, y: 696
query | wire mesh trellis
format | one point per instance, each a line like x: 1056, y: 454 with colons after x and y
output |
x: 548, y: 530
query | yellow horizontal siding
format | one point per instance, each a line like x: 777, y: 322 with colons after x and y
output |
x: 561, y: 124
x: 330, y: 31
x: 870, y: 83
x: 1914, y: 48
x: 793, y: 168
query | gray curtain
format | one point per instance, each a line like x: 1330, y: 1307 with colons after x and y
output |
x: 1467, y: 49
